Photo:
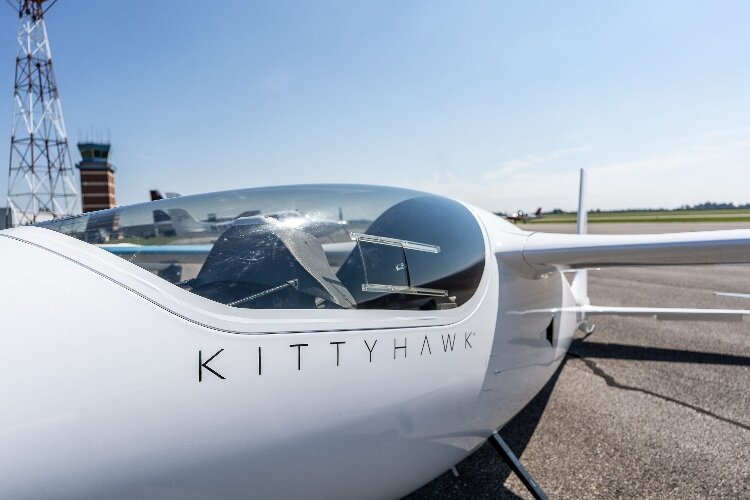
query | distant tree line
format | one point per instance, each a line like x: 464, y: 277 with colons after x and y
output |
x: 710, y: 205
x: 707, y: 205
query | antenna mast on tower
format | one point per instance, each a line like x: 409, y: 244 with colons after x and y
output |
x: 41, y: 177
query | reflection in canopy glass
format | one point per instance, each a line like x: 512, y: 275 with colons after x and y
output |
x: 309, y: 247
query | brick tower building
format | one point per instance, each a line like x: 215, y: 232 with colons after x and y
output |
x: 97, y: 177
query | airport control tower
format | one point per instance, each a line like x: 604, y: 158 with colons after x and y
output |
x: 97, y: 176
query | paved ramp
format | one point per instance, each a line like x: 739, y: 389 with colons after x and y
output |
x: 641, y: 408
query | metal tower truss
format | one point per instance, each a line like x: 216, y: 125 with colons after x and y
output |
x: 41, y: 178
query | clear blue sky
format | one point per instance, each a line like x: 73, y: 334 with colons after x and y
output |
x: 498, y: 103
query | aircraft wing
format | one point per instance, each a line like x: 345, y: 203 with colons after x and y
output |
x: 670, y: 313
x: 734, y: 294
x: 660, y: 313
x: 160, y: 253
x: 545, y: 252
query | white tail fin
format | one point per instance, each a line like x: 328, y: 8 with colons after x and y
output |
x: 580, y: 284
x: 184, y: 223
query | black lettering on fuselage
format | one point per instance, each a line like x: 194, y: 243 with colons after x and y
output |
x: 371, y: 348
x: 467, y: 336
x: 204, y: 364
x: 425, y: 342
x: 396, y: 348
x: 337, y: 351
x: 299, y: 354
x: 448, y: 342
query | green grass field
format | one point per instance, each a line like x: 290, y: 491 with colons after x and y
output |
x: 736, y: 215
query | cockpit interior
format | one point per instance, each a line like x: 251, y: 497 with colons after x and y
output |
x: 300, y: 247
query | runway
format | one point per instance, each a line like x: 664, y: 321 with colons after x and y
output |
x: 641, y: 408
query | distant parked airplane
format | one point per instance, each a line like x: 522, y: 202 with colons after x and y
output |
x: 522, y: 216
x: 156, y: 195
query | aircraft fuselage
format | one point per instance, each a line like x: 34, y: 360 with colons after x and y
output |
x: 118, y: 384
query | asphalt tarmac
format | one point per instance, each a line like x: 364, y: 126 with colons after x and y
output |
x: 640, y: 408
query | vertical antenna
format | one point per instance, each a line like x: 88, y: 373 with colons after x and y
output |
x: 41, y: 179
x: 580, y: 284
x: 583, y: 211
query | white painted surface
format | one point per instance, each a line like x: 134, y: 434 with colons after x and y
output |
x: 103, y: 395
x: 545, y: 252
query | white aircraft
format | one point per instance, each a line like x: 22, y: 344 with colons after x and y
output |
x: 271, y: 366
x: 521, y: 216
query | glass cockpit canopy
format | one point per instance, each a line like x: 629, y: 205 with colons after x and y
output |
x: 300, y: 247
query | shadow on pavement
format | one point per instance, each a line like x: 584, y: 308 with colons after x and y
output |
x: 585, y: 349
x: 483, y: 474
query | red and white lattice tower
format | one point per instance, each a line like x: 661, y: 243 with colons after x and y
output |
x: 41, y: 179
